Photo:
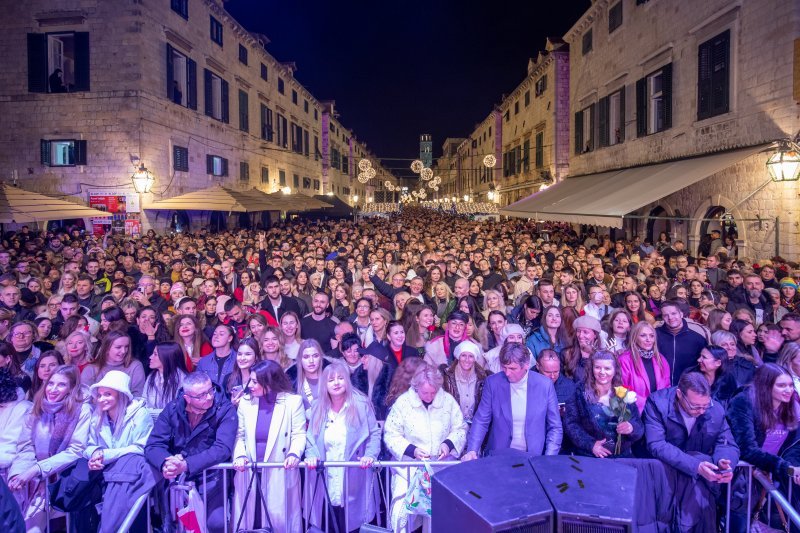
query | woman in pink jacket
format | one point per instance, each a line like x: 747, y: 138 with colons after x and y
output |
x: 643, y: 369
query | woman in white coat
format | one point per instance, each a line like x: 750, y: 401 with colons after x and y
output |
x: 425, y: 423
x: 59, y: 426
x: 272, y: 428
x: 342, y: 427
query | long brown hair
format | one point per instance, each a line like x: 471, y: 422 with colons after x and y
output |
x: 401, y: 380
x: 590, y: 385
x: 761, y: 396
x: 197, y: 341
x: 74, y: 398
x: 108, y: 340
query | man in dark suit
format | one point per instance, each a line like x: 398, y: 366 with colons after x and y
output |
x: 518, y: 409
x: 275, y: 303
x: 689, y: 433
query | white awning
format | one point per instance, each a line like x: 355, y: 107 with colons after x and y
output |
x: 605, y: 198
x: 21, y: 206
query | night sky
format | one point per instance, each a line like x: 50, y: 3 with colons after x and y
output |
x: 398, y: 69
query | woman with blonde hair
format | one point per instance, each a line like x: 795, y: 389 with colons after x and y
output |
x: 642, y: 368
x: 59, y: 427
x: 443, y: 300
x: 272, y: 348
x: 399, y: 302
x: 77, y: 349
x: 305, y: 372
x: 492, y: 301
x: 342, y: 427
x: 290, y: 334
x: 572, y: 296
x: 379, y: 318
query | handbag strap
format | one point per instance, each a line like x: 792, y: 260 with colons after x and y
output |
x: 256, y: 475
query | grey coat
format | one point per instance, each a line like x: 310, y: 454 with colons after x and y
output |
x: 363, y: 440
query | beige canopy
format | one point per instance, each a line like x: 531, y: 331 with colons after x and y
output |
x: 298, y: 201
x: 219, y: 198
x: 605, y: 199
x: 21, y: 206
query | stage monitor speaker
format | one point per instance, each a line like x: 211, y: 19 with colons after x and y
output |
x: 588, y: 495
x: 490, y: 495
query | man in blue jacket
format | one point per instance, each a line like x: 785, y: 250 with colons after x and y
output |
x: 689, y: 433
x: 192, y: 433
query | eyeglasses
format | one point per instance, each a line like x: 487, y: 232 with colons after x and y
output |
x: 695, y: 408
x: 21, y: 335
x: 202, y: 396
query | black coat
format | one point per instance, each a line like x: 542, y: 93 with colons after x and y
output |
x: 207, y: 444
x: 10, y: 515
x: 746, y: 429
x: 583, y: 430
x: 379, y: 390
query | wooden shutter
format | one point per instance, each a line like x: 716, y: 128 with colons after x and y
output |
x: 720, y: 68
x: 666, y: 91
x: 81, y: 61
x: 641, y: 107
x: 208, y: 92
x: 191, y: 82
x: 37, y: 63
x: 592, y: 127
x: 170, y: 74
x: 622, y: 114
x: 80, y: 152
x: 224, y: 167
x: 704, y: 81
x: 603, y: 121
x: 225, y: 104
x: 579, y: 132
x: 244, y: 112
x: 209, y: 164
x: 44, y: 152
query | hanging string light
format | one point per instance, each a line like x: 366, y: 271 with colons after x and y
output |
x: 426, y: 173
x: 490, y: 161
x: 417, y: 166
x: 370, y: 173
x: 362, y: 177
x: 364, y: 164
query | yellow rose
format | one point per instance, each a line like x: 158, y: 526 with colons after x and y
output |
x: 620, y: 391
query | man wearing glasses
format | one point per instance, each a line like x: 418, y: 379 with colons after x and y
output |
x: 688, y: 432
x: 195, y: 431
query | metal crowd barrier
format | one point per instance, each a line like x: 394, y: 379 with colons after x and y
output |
x: 384, y: 470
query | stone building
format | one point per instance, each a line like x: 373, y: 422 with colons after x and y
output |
x: 674, y: 109
x: 527, y: 133
x: 91, y: 90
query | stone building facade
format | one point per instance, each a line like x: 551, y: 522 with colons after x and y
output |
x: 527, y: 133
x: 658, y: 80
x: 176, y: 85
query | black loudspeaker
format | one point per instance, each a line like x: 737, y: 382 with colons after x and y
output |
x: 490, y: 495
x: 588, y: 495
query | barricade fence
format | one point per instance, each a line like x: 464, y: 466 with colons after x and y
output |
x: 383, y: 473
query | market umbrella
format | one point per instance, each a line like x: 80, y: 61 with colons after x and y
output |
x: 219, y: 198
x: 298, y: 201
x: 21, y: 206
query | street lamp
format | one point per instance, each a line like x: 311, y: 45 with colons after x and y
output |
x: 784, y: 164
x: 286, y: 190
x: 466, y: 197
x: 355, y: 198
x: 142, y: 180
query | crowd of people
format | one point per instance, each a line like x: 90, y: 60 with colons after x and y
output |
x: 127, y: 364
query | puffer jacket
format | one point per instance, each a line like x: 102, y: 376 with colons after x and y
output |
x: 136, y: 427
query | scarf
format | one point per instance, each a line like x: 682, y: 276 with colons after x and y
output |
x: 54, y: 429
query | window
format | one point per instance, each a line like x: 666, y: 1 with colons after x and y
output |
x: 541, y: 86
x: 713, y: 78
x: 317, y: 153
x: 264, y: 175
x: 244, y: 171
x: 244, y: 111
x: 316, y: 115
x: 266, y: 123
x: 296, y: 181
x: 305, y: 106
x: 58, y: 62
x: 181, y: 7
x: 216, y: 31
x: 335, y: 158
x: 242, y: 54
x: 516, y: 107
x: 216, y: 96
x: 345, y: 164
x: 181, y: 79
x: 294, y: 97
x: 280, y: 86
x: 282, y: 178
x: 316, y: 185
x: 63, y: 152
x: 615, y: 17
x: 586, y: 45
x: 507, y: 116
x: 527, y: 98
x: 216, y: 165
x: 654, y: 102
x: 539, y: 156
x: 283, y: 131
x: 305, y: 143
x: 306, y: 182
x: 612, y: 118
x: 584, y: 130
x: 180, y: 158
x: 264, y: 72
x: 297, y: 138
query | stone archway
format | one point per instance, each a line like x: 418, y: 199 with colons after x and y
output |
x: 712, y: 207
x: 656, y: 223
